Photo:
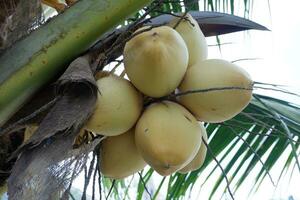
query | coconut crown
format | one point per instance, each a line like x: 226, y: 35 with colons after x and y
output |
x: 166, y: 135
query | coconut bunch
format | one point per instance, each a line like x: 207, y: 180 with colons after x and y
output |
x: 167, y: 133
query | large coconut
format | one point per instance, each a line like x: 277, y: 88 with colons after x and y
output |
x: 216, y: 105
x: 118, y: 106
x: 156, y: 60
x: 191, y: 33
x: 198, y: 160
x: 119, y: 156
x: 168, y: 137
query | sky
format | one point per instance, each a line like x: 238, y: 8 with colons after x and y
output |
x: 276, y: 51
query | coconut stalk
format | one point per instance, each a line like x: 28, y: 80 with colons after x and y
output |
x: 39, y: 57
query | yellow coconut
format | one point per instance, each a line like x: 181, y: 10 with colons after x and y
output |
x: 168, y: 137
x: 216, y: 105
x: 198, y: 160
x: 119, y: 156
x: 118, y: 106
x: 156, y: 61
x: 191, y: 33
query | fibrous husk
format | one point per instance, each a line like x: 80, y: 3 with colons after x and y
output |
x: 17, y: 18
x: 48, y: 164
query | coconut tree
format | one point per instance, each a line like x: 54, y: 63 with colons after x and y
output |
x: 48, y: 71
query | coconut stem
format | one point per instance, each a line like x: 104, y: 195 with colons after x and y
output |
x: 173, y: 96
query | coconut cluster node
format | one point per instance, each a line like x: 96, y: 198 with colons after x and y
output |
x: 167, y: 135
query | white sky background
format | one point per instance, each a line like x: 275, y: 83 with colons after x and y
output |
x: 278, y: 53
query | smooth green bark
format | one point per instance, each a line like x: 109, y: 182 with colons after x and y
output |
x: 36, y: 59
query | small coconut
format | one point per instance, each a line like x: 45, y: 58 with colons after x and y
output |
x: 199, y: 159
x: 191, y: 33
x: 231, y: 90
x: 119, y: 156
x: 118, y: 106
x: 168, y: 137
x: 156, y: 60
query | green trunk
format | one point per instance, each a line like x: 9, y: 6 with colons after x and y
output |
x: 36, y: 59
